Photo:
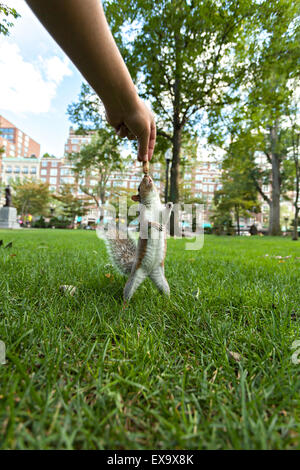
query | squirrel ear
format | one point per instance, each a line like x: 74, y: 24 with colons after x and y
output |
x: 136, y: 198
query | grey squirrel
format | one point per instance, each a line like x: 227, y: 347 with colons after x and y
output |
x: 146, y: 258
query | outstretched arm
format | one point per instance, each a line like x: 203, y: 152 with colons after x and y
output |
x: 81, y: 29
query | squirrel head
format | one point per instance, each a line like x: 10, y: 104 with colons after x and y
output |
x: 146, y: 190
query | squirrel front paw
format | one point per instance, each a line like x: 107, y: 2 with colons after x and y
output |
x: 169, y: 205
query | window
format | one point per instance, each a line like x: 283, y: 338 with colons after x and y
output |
x: 53, y: 172
x: 198, y: 177
x: 17, y: 169
x: 25, y: 170
x: 74, y: 141
x: 67, y: 180
x: 8, y: 169
x: 211, y: 188
x: 44, y: 164
x: 54, y: 164
x: 43, y: 180
x: 198, y: 186
x: 44, y: 172
x: 7, y: 133
x: 52, y: 180
x: 187, y: 176
x: 33, y: 171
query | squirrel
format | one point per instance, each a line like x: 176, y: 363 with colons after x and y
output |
x: 146, y: 257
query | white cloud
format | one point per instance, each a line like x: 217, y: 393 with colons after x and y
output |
x: 29, y: 86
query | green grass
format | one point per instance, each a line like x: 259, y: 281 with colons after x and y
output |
x: 82, y: 373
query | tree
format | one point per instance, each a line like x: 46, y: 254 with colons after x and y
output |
x: 257, y: 121
x: 238, y: 194
x: 6, y: 12
x: 181, y: 54
x: 293, y: 155
x: 96, y: 162
x: 295, y: 131
x: 72, y: 206
x: 31, y: 197
x: 262, y: 163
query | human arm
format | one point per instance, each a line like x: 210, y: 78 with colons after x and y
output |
x: 81, y: 29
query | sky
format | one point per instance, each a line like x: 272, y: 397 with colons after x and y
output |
x: 37, y: 81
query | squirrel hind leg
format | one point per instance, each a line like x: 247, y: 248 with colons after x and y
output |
x: 134, y: 281
x: 159, y: 279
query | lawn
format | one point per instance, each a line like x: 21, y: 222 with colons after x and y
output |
x: 210, y: 368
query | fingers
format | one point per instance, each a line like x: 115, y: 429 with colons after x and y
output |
x: 138, y: 124
x: 147, y: 143
x: 152, y: 140
x: 123, y: 131
x: 144, y: 146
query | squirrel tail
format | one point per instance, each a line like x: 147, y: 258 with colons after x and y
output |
x: 120, y: 250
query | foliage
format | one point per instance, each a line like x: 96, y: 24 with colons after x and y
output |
x: 238, y: 194
x: 72, y: 206
x: 5, y: 23
x: 256, y: 124
x: 96, y: 162
x: 31, y: 197
x: 293, y: 156
x: 182, y: 56
x: 86, y: 112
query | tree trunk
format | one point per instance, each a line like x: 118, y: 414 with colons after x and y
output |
x: 274, y: 221
x: 177, y: 125
x: 296, y: 202
x: 174, y: 186
x: 296, y: 221
x: 237, y: 218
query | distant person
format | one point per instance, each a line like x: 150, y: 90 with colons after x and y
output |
x: 81, y: 29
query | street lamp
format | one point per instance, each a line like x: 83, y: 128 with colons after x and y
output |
x: 168, y: 158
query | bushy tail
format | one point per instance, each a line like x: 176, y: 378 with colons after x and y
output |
x: 121, y: 250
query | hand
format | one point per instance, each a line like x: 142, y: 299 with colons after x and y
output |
x: 135, y: 123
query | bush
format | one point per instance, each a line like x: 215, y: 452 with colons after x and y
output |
x: 40, y: 223
x: 59, y: 222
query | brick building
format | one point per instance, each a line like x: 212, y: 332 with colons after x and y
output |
x: 200, y: 180
x: 15, y: 142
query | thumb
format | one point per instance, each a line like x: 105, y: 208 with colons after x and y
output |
x: 144, y: 145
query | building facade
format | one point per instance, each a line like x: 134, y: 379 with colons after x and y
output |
x: 15, y: 143
x: 201, y: 180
